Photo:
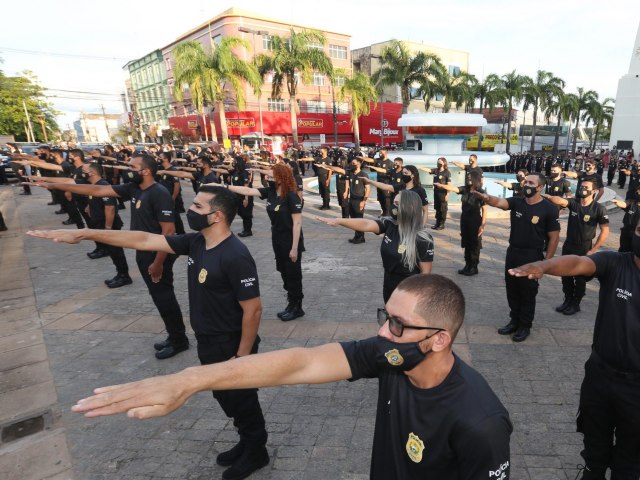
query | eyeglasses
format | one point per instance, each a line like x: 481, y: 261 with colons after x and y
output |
x: 396, y: 327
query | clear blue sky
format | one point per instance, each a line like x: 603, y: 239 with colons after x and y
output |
x: 588, y: 43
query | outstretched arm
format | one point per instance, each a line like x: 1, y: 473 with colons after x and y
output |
x: 563, y: 266
x: 358, y: 224
x: 247, y: 191
x: 133, y: 239
x: 161, y: 395
x: 559, y: 201
x: 447, y: 187
x: 176, y: 173
x: 492, y: 201
x: 80, y: 189
x: 379, y: 185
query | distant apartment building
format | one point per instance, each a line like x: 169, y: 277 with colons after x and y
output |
x: 367, y: 59
x: 96, y: 127
x: 148, y: 91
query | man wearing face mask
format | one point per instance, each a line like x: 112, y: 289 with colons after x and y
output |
x: 471, y: 167
x: 631, y: 208
x: 324, y: 177
x: 442, y: 176
x: 357, y: 191
x: 383, y: 166
x: 152, y: 212
x: 556, y: 185
x: 436, y: 416
x: 534, y: 225
x: 608, y: 413
x: 172, y: 184
x: 516, y: 187
x: 588, y: 174
x: 224, y: 304
x: 200, y: 175
x: 585, y: 214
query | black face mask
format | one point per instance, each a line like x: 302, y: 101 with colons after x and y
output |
x: 271, y: 184
x: 406, y: 178
x: 135, y: 177
x: 394, y: 212
x: 401, y: 357
x: 198, y: 221
x: 42, y: 156
x: 529, y: 191
x: 635, y: 245
x: 84, y: 176
x: 582, y: 193
x: 520, y: 177
x: 554, y: 175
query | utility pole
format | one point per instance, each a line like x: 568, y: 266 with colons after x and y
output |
x: 106, y: 124
x: 44, y: 129
x: 26, y: 112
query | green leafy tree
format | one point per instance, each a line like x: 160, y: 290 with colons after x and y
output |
x: 538, y: 93
x: 599, y: 114
x: 485, y: 93
x: 399, y: 67
x: 210, y: 75
x: 293, y: 59
x: 361, y: 92
x: 509, y: 91
x: 562, y: 106
x: 20, y: 90
x: 584, y: 99
x: 455, y: 88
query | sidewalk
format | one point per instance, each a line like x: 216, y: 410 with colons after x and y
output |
x: 96, y: 336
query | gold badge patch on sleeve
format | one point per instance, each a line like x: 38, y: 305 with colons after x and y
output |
x: 415, y: 447
x: 138, y: 203
x: 535, y: 219
x: 202, y: 277
x: 402, y: 248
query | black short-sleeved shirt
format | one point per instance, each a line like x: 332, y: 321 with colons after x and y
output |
x: 388, y: 166
x: 468, y: 169
x: 240, y: 179
x: 202, y: 179
x: 323, y: 173
x: 617, y: 330
x: 97, y: 204
x: 517, y: 189
x: 67, y: 170
x: 470, y: 203
x: 168, y: 181
x: 357, y: 185
x: 634, y: 181
x: 219, y: 278
x: 280, y: 211
x: 443, y: 177
x: 422, y: 193
x: 299, y: 184
x: 557, y: 188
x: 594, y: 177
x: 149, y: 207
x: 395, y: 178
x: 457, y: 430
x: 530, y: 224
x: 391, y: 249
x: 583, y: 221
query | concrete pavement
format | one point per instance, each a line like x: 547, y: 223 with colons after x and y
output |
x: 96, y: 336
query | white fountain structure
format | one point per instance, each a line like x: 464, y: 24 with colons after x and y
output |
x: 443, y: 135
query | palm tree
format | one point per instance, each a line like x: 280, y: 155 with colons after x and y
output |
x: 233, y: 73
x: 485, y: 92
x: 191, y: 70
x: 599, y: 114
x: 292, y: 57
x: 584, y: 99
x: 538, y: 92
x: 454, y: 87
x: 562, y: 106
x: 362, y: 92
x: 510, y: 90
x: 209, y: 76
x: 398, y: 66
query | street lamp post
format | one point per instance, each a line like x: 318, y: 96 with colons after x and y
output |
x: 253, y: 35
x: 381, y: 107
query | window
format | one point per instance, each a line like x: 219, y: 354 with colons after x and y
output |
x: 276, y: 105
x: 267, y: 42
x: 318, y: 79
x: 316, y: 45
x: 338, y: 51
x: 454, y: 70
x: 156, y: 72
x: 339, y: 81
x: 414, y: 92
x: 438, y: 97
x: 167, y: 63
x: 316, y: 106
x: 342, y: 107
x: 357, y: 67
x: 217, y: 39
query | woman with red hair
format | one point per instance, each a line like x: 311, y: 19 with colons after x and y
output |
x: 284, y: 208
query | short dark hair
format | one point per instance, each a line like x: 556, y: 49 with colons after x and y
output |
x: 166, y: 156
x: 541, y: 178
x: 96, y: 167
x: 440, y: 300
x: 522, y: 170
x: 76, y: 152
x: 222, y: 200
x: 398, y: 159
x: 148, y: 162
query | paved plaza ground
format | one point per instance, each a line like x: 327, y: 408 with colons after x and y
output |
x: 96, y: 336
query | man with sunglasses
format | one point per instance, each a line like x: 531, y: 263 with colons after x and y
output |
x: 436, y: 416
x: 152, y: 212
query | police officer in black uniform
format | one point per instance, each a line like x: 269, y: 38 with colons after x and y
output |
x: 224, y: 304
x: 534, y: 224
x: 588, y: 174
x: 436, y: 416
x: 240, y: 177
x: 585, y: 214
x: 516, y: 187
x: 556, y: 185
x: 152, y: 212
x: 609, y: 408
x: 442, y: 176
x: 383, y: 166
x: 172, y: 184
x: 103, y: 215
x: 630, y: 220
x: 357, y: 191
x: 324, y: 177
x: 471, y: 167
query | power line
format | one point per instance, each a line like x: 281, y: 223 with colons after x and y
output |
x: 56, y: 54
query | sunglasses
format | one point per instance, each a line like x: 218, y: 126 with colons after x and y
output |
x: 396, y: 327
